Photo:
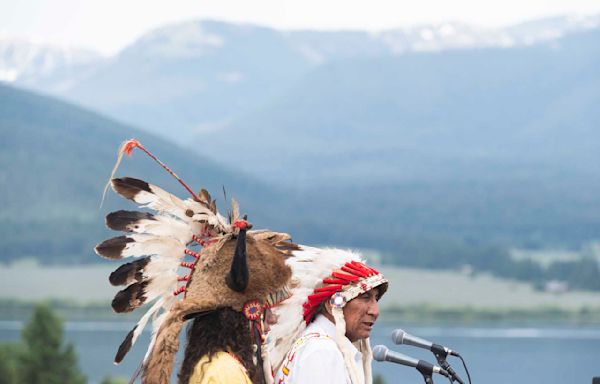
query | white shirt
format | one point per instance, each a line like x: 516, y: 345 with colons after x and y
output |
x: 315, y: 357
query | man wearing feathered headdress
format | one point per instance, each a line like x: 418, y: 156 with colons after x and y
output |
x: 322, y: 335
x: 328, y: 296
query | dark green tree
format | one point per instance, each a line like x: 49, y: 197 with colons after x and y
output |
x: 9, y: 353
x: 378, y: 379
x: 45, y: 357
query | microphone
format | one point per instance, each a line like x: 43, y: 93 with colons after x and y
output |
x: 401, y: 337
x: 440, y: 352
x: 382, y: 353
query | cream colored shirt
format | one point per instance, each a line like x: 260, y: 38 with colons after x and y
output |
x: 316, y: 358
x: 223, y: 368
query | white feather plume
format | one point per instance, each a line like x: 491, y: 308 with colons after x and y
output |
x: 161, y: 201
x: 164, y: 225
x: 164, y: 237
x: 144, y: 245
x: 141, y: 324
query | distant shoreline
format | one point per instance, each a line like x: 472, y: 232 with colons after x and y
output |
x: 424, y: 314
x: 414, y: 297
x: 20, y: 310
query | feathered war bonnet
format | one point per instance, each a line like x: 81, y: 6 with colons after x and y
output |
x: 321, y: 275
x: 226, y: 265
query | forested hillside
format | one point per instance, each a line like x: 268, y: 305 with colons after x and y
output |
x: 56, y: 158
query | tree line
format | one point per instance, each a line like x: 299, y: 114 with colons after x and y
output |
x: 448, y: 253
x: 42, y: 355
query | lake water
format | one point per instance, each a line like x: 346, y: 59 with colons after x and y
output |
x: 494, y: 355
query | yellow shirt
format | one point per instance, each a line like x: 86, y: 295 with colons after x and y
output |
x: 223, y: 368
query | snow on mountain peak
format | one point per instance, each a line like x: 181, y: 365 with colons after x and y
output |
x: 21, y: 59
x: 189, y: 39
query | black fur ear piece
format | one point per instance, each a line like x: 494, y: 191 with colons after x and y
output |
x: 238, y: 276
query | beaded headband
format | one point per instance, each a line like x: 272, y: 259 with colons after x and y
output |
x: 354, y: 279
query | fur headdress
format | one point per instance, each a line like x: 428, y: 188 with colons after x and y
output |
x: 229, y: 265
x: 320, y: 275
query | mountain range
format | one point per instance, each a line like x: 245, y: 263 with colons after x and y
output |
x: 479, y: 114
x: 199, y: 76
x: 43, y: 66
x: 338, y: 138
x: 55, y: 160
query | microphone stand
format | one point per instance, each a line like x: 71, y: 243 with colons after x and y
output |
x: 426, y: 377
x: 440, y: 354
x: 426, y: 370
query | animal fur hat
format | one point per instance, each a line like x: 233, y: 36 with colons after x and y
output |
x: 230, y: 265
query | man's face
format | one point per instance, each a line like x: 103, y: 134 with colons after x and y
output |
x: 360, y: 314
x: 269, y: 319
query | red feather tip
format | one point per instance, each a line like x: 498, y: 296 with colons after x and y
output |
x: 130, y: 145
x: 370, y: 270
x: 375, y: 272
x: 315, y: 297
x: 354, y: 271
x: 362, y: 267
x: 345, y: 276
x: 307, y: 317
x: 329, y: 288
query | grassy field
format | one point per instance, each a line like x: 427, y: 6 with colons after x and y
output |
x: 408, y: 287
x: 449, y: 289
x: 545, y: 257
x: 83, y: 284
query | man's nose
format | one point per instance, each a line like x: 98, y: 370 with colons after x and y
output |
x: 373, y: 308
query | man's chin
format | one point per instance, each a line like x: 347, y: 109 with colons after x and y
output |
x: 362, y: 333
x: 365, y: 332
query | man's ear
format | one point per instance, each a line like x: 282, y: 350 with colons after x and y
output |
x: 327, y: 307
x: 326, y: 311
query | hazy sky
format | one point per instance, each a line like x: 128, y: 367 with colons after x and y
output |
x: 109, y: 25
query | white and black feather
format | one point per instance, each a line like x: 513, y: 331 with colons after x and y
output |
x: 158, y: 243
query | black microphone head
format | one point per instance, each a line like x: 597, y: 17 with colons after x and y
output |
x: 398, y: 336
x: 380, y: 352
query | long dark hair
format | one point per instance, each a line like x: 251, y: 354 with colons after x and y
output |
x: 221, y: 330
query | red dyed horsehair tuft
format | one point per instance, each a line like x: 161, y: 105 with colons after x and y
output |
x: 129, y: 145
